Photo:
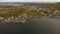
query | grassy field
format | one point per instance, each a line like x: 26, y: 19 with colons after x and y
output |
x: 19, y: 10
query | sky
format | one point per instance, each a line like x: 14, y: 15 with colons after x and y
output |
x: 29, y: 0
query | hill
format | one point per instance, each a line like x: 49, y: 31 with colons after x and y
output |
x: 30, y: 9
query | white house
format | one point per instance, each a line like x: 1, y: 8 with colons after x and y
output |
x: 56, y: 12
x: 12, y: 17
x: 1, y: 18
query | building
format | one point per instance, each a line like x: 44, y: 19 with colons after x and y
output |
x: 57, y: 13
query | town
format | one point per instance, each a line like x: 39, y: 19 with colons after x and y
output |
x: 22, y: 13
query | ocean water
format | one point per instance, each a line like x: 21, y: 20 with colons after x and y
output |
x: 11, y: 4
x: 33, y: 26
x: 12, y: 28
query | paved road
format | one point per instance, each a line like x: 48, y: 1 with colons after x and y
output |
x: 33, y: 26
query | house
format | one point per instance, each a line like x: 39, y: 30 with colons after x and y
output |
x: 57, y: 13
x: 12, y: 17
x: 1, y: 18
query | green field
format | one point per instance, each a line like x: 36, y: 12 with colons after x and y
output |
x: 19, y: 10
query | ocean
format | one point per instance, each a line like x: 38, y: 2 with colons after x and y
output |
x: 33, y: 26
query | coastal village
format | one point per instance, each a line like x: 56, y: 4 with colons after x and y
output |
x: 22, y: 13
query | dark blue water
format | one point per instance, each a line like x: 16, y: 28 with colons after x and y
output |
x: 12, y: 28
x: 12, y: 4
x: 33, y: 26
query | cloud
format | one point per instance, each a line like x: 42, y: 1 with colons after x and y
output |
x: 28, y: 0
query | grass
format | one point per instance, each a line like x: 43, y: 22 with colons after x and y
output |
x: 21, y: 10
